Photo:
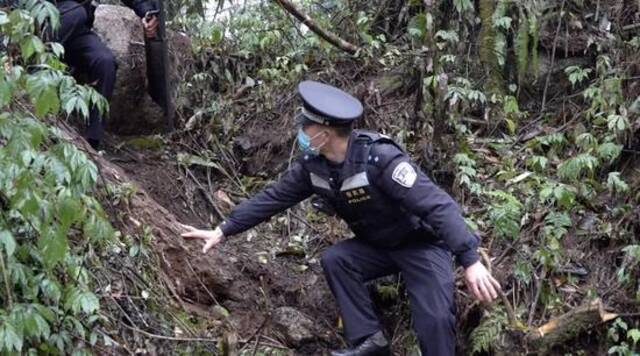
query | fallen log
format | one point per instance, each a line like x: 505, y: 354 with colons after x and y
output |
x: 568, y: 325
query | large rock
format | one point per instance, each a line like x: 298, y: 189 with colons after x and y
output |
x: 132, y: 112
x: 294, y: 325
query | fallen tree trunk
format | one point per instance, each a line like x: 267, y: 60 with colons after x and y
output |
x: 313, y: 26
x: 569, y: 325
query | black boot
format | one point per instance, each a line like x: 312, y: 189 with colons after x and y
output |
x: 374, y: 345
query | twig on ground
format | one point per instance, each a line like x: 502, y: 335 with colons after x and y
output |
x: 534, y: 304
x: 170, y: 338
x: 513, y: 320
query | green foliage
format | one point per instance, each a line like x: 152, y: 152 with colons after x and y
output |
x: 625, y: 339
x: 576, y: 167
x: 463, y: 5
x: 417, y: 27
x: 577, y: 74
x: 486, y: 336
x: 467, y: 172
x: 616, y: 184
x: 49, y: 221
x: 505, y: 215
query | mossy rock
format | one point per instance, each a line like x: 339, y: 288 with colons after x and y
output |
x: 148, y: 143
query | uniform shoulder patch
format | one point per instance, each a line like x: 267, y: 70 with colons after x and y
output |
x: 404, y: 174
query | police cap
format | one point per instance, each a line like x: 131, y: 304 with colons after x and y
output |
x: 327, y: 105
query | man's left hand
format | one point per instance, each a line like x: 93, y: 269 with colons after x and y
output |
x: 481, y: 282
x: 150, y: 25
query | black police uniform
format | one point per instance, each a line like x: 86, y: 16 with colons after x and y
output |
x: 402, y: 223
x: 84, y: 50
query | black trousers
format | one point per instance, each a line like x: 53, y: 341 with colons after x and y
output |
x: 85, y: 51
x: 427, y: 272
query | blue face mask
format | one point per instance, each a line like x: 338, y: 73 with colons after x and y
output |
x: 304, y: 142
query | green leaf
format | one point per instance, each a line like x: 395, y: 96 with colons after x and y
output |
x: 558, y: 220
x: 609, y: 151
x: 10, y: 337
x: 76, y: 103
x: 45, y: 11
x: 217, y: 33
x: 575, y: 167
x: 34, y: 324
x: 89, y: 303
x: 47, y: 102
x: 50, y: 289
x: 564, y: 195
x: 69, y: 211
x: 57, y: 49
x: 9, y: 243
x: 503, y: 22
x: 616, y: 184
x: 538, y: 163
x: 98, y: 228
x: 6, y: 92
x: 53, y: 247
x: 417, y: 27
x: 31, y: 45
x: 634, y: 335
x: 463, y: 5
x: 617, y: 123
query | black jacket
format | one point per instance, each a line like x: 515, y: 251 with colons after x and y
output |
x: 384, y: 198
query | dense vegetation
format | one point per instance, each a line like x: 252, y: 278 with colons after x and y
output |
x: 527, y: 111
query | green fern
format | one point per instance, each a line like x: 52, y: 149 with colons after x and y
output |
x: 485, y: 336
x: 575, y: 167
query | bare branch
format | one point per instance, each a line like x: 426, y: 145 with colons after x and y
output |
x: 313, y: 26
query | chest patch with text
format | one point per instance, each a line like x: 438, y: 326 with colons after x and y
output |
x: 355, y: 196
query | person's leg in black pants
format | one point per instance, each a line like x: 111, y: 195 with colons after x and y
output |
x: 428, y: 275
x: 347, y: 266
x: 85, y: 51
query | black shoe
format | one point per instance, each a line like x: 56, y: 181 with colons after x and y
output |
x: 374, y: 345
x: 95, y: 144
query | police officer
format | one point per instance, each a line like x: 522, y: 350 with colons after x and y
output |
x: 402, y: 223
x: 84, y: 50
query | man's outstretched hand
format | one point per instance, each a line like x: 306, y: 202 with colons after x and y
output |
x: 150, y: 26
x: 210, y: 238
x: 481, y: 282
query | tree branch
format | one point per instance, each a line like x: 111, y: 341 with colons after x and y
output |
x: 313, y: 26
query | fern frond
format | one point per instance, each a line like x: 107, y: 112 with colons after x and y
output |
x: 485, y: 336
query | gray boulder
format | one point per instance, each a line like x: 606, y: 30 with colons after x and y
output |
x: 294, y: 325
x: 132, y: 112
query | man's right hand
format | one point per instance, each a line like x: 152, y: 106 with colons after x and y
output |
x: 210, y: 238
x: 150, y: 25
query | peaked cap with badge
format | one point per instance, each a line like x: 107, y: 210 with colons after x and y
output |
x: 400, y: 218
x: 327, y: 105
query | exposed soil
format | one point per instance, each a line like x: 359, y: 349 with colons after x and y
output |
x: 250, y: 276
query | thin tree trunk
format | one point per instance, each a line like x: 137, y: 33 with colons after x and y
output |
x: 313, y: 26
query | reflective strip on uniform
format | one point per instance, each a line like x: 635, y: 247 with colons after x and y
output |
x: 357, y: 181
x: 319, y: 182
